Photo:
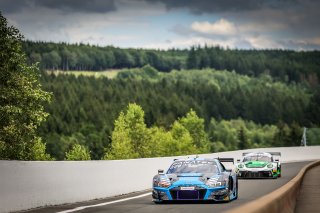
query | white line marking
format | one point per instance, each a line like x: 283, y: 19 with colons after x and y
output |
x: 104, y: 204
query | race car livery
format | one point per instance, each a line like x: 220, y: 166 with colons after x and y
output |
x: 196, y: 179
x: 259, y: 165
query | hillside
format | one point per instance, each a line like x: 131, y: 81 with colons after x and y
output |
x: 83, y: 109
x: 283, y: 65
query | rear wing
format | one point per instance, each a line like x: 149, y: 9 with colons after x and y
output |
x: 231, y: 160
x: 275, y: 153
x: 271, y: 153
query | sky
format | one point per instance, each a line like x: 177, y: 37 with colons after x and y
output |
x: 164, y: 24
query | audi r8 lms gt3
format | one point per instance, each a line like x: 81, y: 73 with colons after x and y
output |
x: 259, y: 165
x: 196, y: 179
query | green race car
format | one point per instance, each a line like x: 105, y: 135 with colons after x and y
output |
x: 259, y: 165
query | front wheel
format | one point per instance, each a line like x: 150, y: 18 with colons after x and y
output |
x: 237, y: 192
x: 279, y: 171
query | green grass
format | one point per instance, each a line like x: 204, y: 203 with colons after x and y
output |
x: 112, y: 73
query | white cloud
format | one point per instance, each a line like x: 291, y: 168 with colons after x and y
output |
x: 220, y: 27
x: 261, y: 42
x: 230, y: 34
x: 259, y: 28
x: 112, y: 28
x: 315, y: 41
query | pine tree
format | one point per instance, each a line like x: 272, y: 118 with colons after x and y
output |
x: 192, y: 60
x: 242, y: 138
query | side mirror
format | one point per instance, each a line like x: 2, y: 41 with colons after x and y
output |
x: 160, y: 171
x: 238, y: 160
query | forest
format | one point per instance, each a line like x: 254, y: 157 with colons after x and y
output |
x: 160, y: 103
x: 282, y: 65
x: 237, y: 111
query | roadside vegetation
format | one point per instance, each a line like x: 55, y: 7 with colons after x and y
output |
x: 21, y: 100
x: 152, y: 103
x: 237, y: 111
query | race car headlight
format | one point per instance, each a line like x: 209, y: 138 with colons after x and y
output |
x: 220, y: 192
x: 215, y: 183
x: 162, y: 182
x: 240, y: 165
x: 270, y: 165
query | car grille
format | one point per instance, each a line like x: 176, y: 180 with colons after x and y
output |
x: 197, y: 194
x: 260, y: 174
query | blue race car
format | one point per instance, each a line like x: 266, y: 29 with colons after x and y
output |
x: 196, y: 179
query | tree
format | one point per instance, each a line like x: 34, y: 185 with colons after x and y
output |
x: 131, y: 137
x: 313, y: 110
x: 35, y: 57
x: 295, y: 134
x: 21, y: 99
x: 242, y: 138
x: 52, y: 60
x: 195, y: 126
x: 138, y: 131
x: 121, y: 146
x: 282, y: 136
x: 38, y: 151
x: 192, y: 60
x: 182, y: 143
x: 78, y: 152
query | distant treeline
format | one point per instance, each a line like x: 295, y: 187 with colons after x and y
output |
x: 284, y: 65
x: 83, y: 109
x: 64, y: 56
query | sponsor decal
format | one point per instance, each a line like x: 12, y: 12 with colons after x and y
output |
x: 187, y: 188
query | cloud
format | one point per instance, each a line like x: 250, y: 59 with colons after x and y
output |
x: 92, y: 6
x: 220, y: 27
x: 302, y: 44
x: 262, y: 42
x: 181, y: 30
x: 315, y: 41
x: 213, y: 6
x: 12, y: 6
x: 122, y: 27
x: 246, y: 24
x: 230, y: 34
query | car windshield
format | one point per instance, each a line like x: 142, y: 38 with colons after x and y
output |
x: 257, y: 158
x: 193, y: 166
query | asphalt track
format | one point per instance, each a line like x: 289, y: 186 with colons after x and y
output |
x: 249, y: 190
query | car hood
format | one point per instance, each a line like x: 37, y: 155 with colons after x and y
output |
x: 185, y: 179
x: 256, y: 164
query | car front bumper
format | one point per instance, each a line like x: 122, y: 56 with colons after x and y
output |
x: 174, y: 193
x: 257, y: 173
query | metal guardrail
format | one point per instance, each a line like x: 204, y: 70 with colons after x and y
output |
x: 281, y: 200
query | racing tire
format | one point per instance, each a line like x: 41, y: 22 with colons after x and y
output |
x: 229, y: 190
x: 279, y: 169
x: 237, y: 192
